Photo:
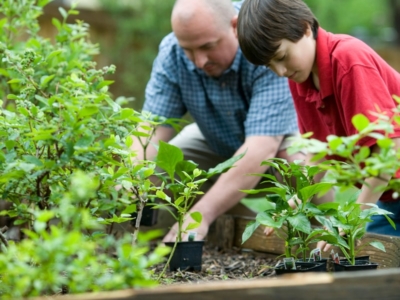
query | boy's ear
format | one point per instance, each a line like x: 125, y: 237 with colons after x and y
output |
x: 309, y: 30
x: 234, y: 24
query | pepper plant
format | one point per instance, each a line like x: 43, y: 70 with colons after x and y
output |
x: 290, y: 197
x: 346, y: 224
x: 349, y: 165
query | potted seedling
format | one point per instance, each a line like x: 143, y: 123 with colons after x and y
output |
x: 291, y: 210
x: 346, y: 224
x: 347, y: 221
x: 183, y: 180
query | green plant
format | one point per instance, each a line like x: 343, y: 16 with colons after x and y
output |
x: 60, y: 258
x: 345, y: 223
x: 58, y: 117
x: 350, y: 165
x: 58, y: 120
x: 292, y: 209
x: 183, y: 181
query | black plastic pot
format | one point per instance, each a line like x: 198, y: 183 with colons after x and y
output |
x: 149, y: 216
x: 187, y: 256
x: 359, y: 265
x: 365, y: 257
x: 301, y: 267
x: 323, y: 262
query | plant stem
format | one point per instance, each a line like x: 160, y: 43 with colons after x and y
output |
x: 168, y: 261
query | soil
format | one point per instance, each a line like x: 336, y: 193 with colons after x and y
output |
x: 218, y: 265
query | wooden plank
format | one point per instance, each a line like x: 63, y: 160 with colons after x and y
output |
x: 388, y: 259
x: 374, y: 284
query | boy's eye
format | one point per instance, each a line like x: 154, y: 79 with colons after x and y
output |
x: 281, y: 58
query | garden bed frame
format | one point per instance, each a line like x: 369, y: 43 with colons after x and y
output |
x: 226, y: 233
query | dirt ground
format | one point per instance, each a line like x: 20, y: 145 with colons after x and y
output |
x: 220, y: 265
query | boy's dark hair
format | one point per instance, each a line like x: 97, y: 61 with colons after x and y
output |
x: 262, y: 24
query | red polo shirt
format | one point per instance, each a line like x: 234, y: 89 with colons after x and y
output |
x: 353, y: 79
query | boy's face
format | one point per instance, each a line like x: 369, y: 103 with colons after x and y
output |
x: 295, y: 60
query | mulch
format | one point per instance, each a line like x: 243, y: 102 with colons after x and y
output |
x: 219, y: 265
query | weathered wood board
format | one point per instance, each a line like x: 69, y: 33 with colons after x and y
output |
x: 374, y: 284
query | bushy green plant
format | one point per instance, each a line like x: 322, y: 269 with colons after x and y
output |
x: 290, y: 197
x: 59, y: 117
x: 62, y: 258
x: 57, y: 120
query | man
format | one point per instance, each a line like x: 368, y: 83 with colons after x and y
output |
x: 236, y: 106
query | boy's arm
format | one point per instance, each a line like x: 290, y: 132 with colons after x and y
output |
x: 368, y: 193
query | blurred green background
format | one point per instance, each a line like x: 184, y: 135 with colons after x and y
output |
x: 129, y: 32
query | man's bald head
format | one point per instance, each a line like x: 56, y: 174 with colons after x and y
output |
x: 185, y: 11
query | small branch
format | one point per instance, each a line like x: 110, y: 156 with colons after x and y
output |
x: 3, y: 238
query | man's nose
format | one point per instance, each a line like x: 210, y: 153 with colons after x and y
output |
x: 199, y: 59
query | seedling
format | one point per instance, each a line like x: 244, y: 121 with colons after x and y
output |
x: 346, y: 224
x: 293, y: 208
x: 182, y: 181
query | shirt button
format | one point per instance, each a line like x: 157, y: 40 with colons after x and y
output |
x: 223, y: 84
x: 322, y: 106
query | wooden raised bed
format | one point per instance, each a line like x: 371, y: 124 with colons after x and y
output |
x: 373, y: 284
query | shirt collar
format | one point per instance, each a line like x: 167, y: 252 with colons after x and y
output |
x: 323, y: 57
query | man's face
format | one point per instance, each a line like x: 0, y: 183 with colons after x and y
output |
x: 209, y: 45
x: 295, y: 60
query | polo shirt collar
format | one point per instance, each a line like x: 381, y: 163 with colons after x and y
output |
x: 323, y: 56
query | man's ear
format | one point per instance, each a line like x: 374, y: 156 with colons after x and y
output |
x: 234, y: 24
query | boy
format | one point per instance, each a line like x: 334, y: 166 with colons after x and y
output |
x: 332, y: 77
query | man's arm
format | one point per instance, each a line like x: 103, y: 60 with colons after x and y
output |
x: 225, y: 193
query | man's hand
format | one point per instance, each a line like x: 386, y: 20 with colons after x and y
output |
x: 202, y: 231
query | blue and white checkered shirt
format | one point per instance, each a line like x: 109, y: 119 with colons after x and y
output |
x: 247, y: 100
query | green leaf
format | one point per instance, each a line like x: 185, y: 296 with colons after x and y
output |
x: 250, y: 228
x: 104, y: 83
x: 167, y: 158
x: 15, y: 80
x: 224, y: 166
x: 129, y: 209
x: 63, y: 12
x: 258, y: 204
x: 318, y: 188
x: 56, y: 23
x: 33, y: 160
x: 266, y: 219
x: 360, y: 122
x: 378, y: 245
x: 197, y: 216
x: 300, y: 222
x: 44, y: 80
x: 192, y: 226
x: 88, y: 110
x: 385, y: 143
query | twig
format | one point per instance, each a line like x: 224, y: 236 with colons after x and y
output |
x: 3, y: 238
